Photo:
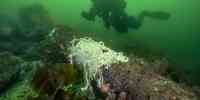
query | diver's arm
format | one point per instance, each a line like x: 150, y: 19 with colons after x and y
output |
x: 90, y: 15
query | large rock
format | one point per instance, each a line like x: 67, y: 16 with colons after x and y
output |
x: 134, y: 81
x: 9, y: 70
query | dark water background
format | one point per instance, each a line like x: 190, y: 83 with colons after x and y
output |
x: 177, y: 38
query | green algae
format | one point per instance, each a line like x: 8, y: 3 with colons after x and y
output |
x: 20, y: 91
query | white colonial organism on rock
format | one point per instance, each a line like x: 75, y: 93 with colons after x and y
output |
x: 92, y: 56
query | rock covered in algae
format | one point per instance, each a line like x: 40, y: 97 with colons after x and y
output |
x: 36, y: 20
x: 53, y: 49
x: 21, y: 91
x: 136, y: 82
x: 49, y: 81
x: 9, y: 69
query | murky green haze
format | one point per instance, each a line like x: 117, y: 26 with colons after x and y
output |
x: 178, y: 37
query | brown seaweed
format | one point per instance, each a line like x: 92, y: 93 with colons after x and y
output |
x: 49, y: 81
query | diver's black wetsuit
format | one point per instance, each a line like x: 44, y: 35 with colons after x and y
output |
x: 112, y: 13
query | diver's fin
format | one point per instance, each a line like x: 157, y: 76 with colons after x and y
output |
x: 157, y: 15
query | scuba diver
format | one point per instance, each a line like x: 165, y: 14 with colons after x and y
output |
x: 113, y: 14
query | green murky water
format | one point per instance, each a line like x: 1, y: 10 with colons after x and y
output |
x: 177, y: 38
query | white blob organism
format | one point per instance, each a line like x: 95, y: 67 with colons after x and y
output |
x: 92, y: 56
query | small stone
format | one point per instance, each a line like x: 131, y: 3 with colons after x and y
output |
x: 122, y: 96
x: 155, y: 89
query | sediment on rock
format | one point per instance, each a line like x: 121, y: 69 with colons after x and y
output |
x: 139, y: 83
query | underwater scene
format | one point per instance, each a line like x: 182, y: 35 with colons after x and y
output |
x: 99, y: 50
